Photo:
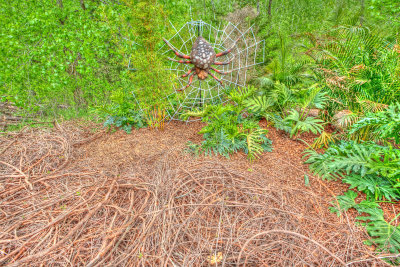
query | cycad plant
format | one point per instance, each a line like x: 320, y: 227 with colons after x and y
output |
x: 356, y: 65
x: 287, y: 70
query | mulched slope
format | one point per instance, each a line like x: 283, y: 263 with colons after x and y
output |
x: 76, y: 195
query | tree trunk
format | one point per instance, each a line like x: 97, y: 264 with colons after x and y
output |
x: 362, y: 12
x: 213, y: 5
x: 82, y: 4
x: 60, y: 4
x: 269, y: 7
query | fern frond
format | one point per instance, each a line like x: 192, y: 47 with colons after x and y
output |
x: 254, y: 143
x: 371, y: 106
x: 265, y: 83
x: 193, y: 113
x: 374, y: 186
x: 350, y: 157
x: 383, y: 125
x: 315, y: 98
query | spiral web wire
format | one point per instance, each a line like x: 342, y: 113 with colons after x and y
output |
x: 247, y: 53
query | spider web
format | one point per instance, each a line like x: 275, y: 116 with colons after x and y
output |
x: 247, y: 53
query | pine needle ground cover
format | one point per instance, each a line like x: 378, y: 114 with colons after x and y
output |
x: 86, y: 195
x: 75, y: 194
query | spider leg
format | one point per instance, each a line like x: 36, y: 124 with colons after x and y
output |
x: 228, y: 50
x: 176, y: 51
x: 220, y: 72
x: 218, y: 80
x: 180, y: 61
x: 187, y: 73
x: 224, y: 63
x: 190, y: 82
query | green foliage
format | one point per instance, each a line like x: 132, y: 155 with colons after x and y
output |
x: 372, y: 169
x: 285, y: 69
x: 48, y: 55
x: 301, y: 124
x: 385, y: 235
x: 123, y: 113
x: 313, y: 97
x: 147, y: 21
x: 288, y: 109
x: 356, y: 65
x: 380, y: 126
x: 257, y: 143
x: 375, y: 187
x: 76, y: 55
x: 259, y: 104
x: 385, y: 11
x: 348, y: 200
x: 271, y: 98
x: 229, y: 130
x: 350, y: 157
x: 344, y: 202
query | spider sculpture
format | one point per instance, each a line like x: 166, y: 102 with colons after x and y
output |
x: 202, y: 56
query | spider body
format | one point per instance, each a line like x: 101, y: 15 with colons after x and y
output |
x: 202, y: 56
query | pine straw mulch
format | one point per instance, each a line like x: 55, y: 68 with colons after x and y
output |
x: 73, y: 197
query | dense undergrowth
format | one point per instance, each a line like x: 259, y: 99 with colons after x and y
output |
x: 332, y: 69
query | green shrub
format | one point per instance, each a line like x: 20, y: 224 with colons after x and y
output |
x: 380, y: 126
x: 229, y: 129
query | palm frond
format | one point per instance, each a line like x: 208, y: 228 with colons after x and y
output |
x: 345, y: 118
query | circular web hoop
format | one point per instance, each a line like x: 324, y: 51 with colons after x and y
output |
x: 247, y: 53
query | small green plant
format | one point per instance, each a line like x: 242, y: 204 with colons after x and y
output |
x: 384, y: 235
x: 229, y: 129
x: 380, y: 126
x: 123, y: 113
x: 155, y: 118
x: 193, y: 149
x: 299, y: 123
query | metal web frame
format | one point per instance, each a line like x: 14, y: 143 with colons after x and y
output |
x: 247, y: 53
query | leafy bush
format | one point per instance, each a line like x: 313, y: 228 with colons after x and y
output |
x: 355, y: 65
x: 123, y: 113
x: 57, y: 55
x: 288, y: 109
x: 74, y: 54
x: 383, y: 125
x: 229, y: 130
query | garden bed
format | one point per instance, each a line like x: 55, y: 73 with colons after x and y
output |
x: 77, y: 195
